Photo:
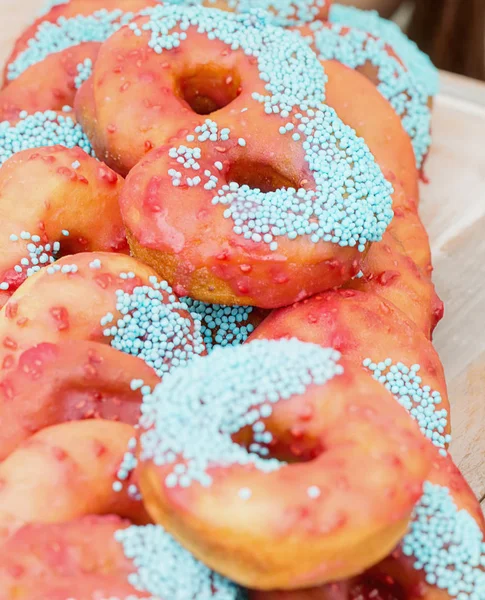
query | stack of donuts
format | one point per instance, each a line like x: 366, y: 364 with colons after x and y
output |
x: 217, y: 376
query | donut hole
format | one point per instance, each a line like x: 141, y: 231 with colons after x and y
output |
x: 208, y: 88
x: 259, y: 176
x: 376, y: 587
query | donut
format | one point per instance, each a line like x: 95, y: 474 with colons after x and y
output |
x: 54, y: 560
x: 390, y: 273
x: 440, y: 558
x: 48, y: 85
x: 70, y: 381
x: 408, y: 229
x: 67, y: 26
x: 417, y: 62
x: 368, y: 330
x: 116, y: 560
x: 64, y: 472
x: 218, y: 252
x: 265, y: 494
x: 48, y: 128
x: 375, y: 58
x: 64, y: 193
x: 101, y: 297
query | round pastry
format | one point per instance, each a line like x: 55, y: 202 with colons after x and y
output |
x: 71, y: 381
x: 67, y: 25
x: 113, y: 560
x: 390, y: 273
x: 221, y: 211
x: 441, y: 557
x: 369, y: 331
x: 64, y: 472
x: 259, y: 465
x: 53, y: 560
x: 55, y: 201
x: 108, y: 298
x: 49, y: 84
x: 376, y: 59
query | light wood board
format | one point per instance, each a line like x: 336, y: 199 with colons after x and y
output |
x: 453, y: 209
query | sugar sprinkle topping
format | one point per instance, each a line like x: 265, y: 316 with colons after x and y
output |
x: 40, y: 129
x: 419, y: 400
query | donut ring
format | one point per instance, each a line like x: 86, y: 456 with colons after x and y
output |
x: 456, y: 510
x: 85, y: 297
x: 74, y: 463
x: 217, y: 251
x: 376, y: 59
x: 377, y: 325
x: 52, y: 560
x: 65, y: 27
x: 116, y: 561
x: 65, y: 191
x: 48, y: 85
x: 71, y: 381
x: 304, y: 412
x: 390, y: 273
x: 417, y: 62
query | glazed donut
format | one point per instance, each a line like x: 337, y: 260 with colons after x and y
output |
x: 68, y: 204
x: 49, y: 128
x: 388, y: 272
x: 64, y: 472
x: 247, y: 238
x: 71, y: 381
x: 53, y: 560
x: 376, y: 59
x: 102, y: 297
x: 417, y: 62
x: 66, y: 26
x: 115, y: 560
x: 48, y: 85
x: 368, y: 330
x: 449, y: 519
x: 275, y: 507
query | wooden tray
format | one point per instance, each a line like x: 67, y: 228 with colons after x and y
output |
x: 453, y: 209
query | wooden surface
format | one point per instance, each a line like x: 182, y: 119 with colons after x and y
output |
x: 453, y: 209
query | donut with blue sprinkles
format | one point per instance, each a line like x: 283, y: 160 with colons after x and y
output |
x: 419, y: 63
x: 441, y: 557
x: 104, y: 297
x: 248, y: 432
x: 64, y: 191
x: 374, y: 57
x: 269, y: 222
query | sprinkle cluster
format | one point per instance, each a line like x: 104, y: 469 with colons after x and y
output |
x: 416, y: 61
x: 419, y: 400
x: 41, y: 129
x: 167, y: 570
x: 154, y: 327
x: 217, y: 396
x: 281, y: 12
x: 350, y: 204
x: 66, y: 33
x: 84, y: 72
x: 39, y: 255
x: 355, y: 48
x: 221, y: 325
x: 447, y: 544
